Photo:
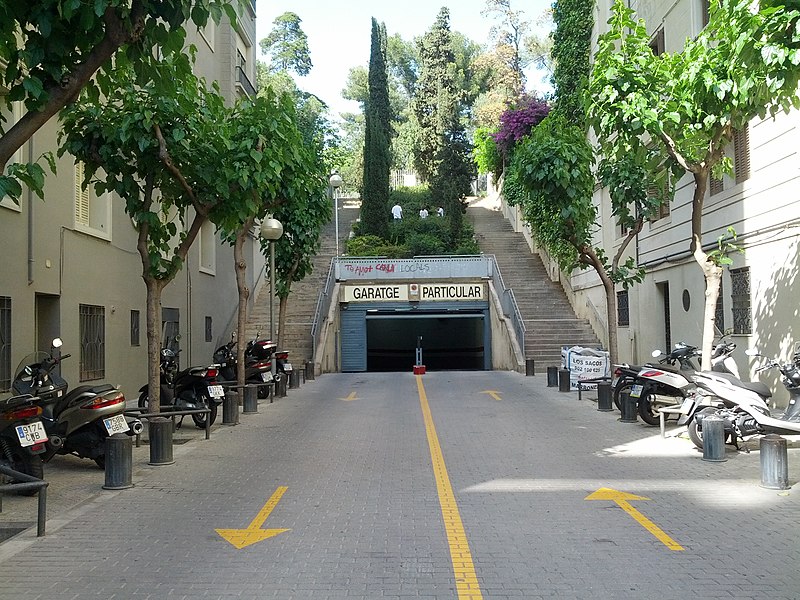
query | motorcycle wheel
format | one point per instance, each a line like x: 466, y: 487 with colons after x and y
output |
x: 144, y: 400
x: 100, y: 461
x: 695, y: 434
x: 200, y: 420
x: 648, y: 412
x: 25, y: 463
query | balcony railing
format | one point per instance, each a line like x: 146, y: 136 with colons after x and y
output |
x: 244, y: 81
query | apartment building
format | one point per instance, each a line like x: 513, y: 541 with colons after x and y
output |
x: 71, y: 268
x: 761, y: 202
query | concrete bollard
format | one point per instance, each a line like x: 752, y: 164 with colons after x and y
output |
x: 552, y: 376
x: 230, y: 408
x: 714, y: 439
x: 159, y: 432
x: 280, y: 387
x: 529, y: 367
x: 294, y: 380
x: 774, y: 462
x: 310, y: 375
x: 119, y: 462
x: 563, y: 380
x: 604, y: 397
x: 250, y: 399
x: 628, y: 406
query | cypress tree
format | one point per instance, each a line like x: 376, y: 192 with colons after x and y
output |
x: 377, y: 160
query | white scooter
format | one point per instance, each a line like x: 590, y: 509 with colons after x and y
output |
x: 743, y: 405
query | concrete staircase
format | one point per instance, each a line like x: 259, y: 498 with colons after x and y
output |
x: 303, y: 295
x: 549, y: 320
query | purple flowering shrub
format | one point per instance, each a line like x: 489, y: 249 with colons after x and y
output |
x: 517, y: 122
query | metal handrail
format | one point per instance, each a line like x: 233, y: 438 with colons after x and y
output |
x: 323, y: 304
x: 508, y: 303
x: 29, y: 483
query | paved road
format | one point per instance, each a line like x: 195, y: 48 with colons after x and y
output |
x: 396, y: 486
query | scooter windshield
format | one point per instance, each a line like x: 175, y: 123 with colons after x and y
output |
x: 24, y: 373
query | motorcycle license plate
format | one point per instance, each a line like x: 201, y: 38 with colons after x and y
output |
x: 266, y: 377
x: 216, y: 391
x: 116, y: 424
x: 636, y: 391
x: 30, y: 434
x: 287, y: 367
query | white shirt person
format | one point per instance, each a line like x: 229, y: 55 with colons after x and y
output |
x: 397, y: 211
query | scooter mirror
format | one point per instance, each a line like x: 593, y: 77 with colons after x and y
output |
x: 57, y: 343
x: 656, y: 353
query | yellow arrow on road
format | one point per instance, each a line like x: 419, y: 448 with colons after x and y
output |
x: 493, y: 394
x: 351, y: 397
x: 241, y: 538
x: 621, y: 498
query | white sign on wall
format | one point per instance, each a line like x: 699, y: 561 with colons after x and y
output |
x: 403, y: 292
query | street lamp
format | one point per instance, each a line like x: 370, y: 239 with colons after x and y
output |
x: 334, y: 183
x: 271, y: 230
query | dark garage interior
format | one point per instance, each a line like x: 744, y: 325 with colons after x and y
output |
x: 450, y: 341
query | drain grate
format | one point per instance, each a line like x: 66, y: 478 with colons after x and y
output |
x: 9, y: 530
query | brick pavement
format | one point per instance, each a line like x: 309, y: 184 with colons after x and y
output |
x: 365, y: 520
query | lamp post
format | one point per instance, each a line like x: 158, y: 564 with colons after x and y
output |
x: 272, y: 230
x: 334, y: 183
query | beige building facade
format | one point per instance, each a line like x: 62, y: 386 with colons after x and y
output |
x: 761, y: 202
x: 70, y: 267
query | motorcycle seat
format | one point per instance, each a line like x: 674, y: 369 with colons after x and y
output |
x: 754, y: 386
x: 75, y: 394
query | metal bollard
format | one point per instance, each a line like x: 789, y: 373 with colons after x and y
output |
x: 604, y: 397
x: 714, y: 439
x: 250, y: 399
x: 774, y: 462
x: 294, y: 380
x: 628, y: 407
x: 159, y: 432
x: 563, y: 380
x: 119, y: 462
x: 280, y: 387
x: 552, y: 376
x: 230, y: 408
x: 529, y: 367
x: 310, y: 375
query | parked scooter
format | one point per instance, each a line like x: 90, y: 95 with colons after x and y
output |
x: 258, y: 355
x: 191, y: 389
x: 743, y: 405
x: 76, y: 421
x: 22, y: 435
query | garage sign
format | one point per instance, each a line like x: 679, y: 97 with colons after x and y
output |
x: 405, y: 292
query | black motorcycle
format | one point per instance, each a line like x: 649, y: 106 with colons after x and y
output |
x: 22, y: 436
x: 191, y: 389
x: 258, y: 357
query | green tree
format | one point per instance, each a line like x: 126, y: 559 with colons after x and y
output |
x: 159, y: 146
x: 510, y: 37
x: 437, y: 98
x: 51, y: 49
x: 687, y: 104
x: 377, y: 160
x: 287, y: 45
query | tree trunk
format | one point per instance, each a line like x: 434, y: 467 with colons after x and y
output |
x: 711, y: 272
x: 588, y: 256
x: 154, y: 287
x: 244, y: 295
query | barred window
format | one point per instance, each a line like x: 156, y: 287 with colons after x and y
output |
x: 623, y: 310
x: 719, y: 315
x: 209, y: 330
x: 5, y: 343
x: 740, y: 300
x: 92, y: 324
x: 135, y: 327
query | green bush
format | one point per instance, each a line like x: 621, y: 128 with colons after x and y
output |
x: 423, y: 244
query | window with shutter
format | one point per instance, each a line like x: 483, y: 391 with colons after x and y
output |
x: 714, y: 185
x: 741, y: 154
x: 657, y: 44
x: 81, y: 196
x: 9, y: 116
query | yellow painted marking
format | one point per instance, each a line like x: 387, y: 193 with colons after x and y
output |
x: 493, y: 394
x: 351, y: 397
x: 622, y: 498
x: 241, y: 538
x: 463, y: 569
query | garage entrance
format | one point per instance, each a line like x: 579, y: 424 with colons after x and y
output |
x: 385, y: 337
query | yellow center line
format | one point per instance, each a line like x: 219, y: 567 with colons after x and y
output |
x: 463, y: 568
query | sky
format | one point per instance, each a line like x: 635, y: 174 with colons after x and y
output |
x: 339, y: 33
